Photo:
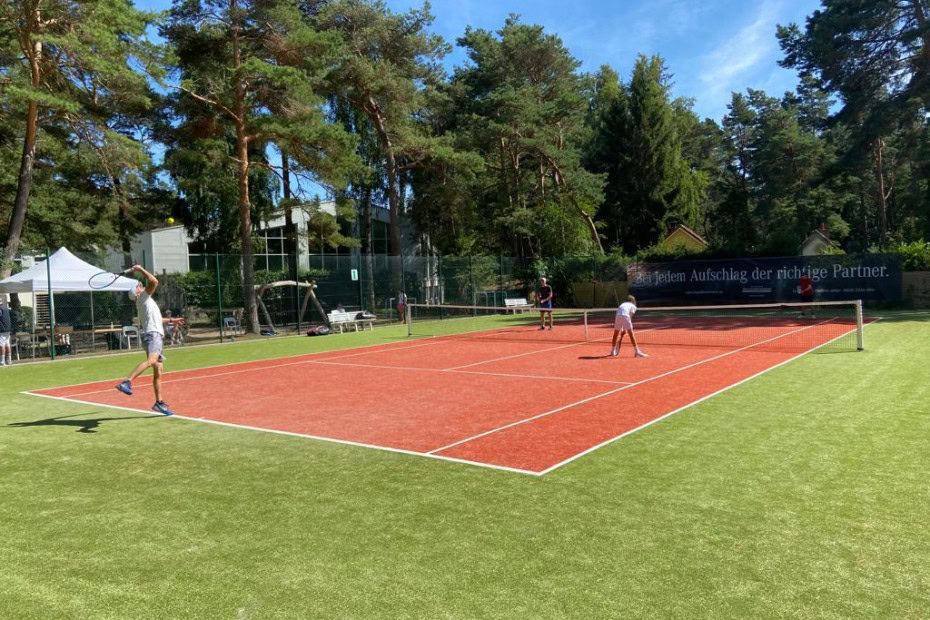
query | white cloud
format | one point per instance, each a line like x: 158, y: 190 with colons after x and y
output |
x: 726, y: 68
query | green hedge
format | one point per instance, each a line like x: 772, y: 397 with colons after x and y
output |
x: 914, y: 256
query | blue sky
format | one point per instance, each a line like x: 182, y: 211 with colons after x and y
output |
x: 712, y: 47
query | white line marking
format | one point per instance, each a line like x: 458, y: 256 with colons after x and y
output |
x: 470, y: 372
x: 431, y: 453
x: 554, y: 378
x: 567, y: 346
x: 620, y: 389
x: 377, y: 348
x: 691, y: 404
x: 292, y: 434
x: 231, y: 372
x: 327, y: 362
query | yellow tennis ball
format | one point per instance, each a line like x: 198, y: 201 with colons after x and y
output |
x: 171, y: 220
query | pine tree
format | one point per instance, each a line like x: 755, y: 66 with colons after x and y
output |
x: 521, y: 105
x: 391, y: 64
x: 260, y: 67
x: 650, y: 184
x: 75, y: 70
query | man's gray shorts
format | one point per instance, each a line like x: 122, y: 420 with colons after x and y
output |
x: 152, y: 342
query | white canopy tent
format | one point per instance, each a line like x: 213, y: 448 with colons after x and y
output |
x: 69, y: 274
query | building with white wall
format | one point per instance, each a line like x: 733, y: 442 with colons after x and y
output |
x: 172, y: 250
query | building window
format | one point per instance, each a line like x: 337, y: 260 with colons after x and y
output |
x: 273, y: 257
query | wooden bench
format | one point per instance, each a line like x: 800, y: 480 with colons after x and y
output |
x: 340, y: 319
x: 518, y: 304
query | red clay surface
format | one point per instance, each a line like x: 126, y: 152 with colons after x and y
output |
x: 528, y: 405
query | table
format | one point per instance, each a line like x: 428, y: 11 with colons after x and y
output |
x: 108, y: 331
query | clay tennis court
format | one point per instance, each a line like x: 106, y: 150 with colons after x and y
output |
x: 512, y: 398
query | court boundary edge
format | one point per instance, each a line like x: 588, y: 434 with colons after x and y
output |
x: 293, y: 434
x: 698, y: 401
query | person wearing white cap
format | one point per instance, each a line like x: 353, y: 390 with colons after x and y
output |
x: 153, y: 334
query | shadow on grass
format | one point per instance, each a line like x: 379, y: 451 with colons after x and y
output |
x: 88, y: 425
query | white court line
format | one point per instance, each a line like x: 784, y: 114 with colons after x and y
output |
x: 382, y: 348
x: 620, y: 389
x: 328, y: 362
x: 691, y: 404
x: 292, y: 434
x: 470, y: 372
x: 387, y: 346
x: 430, y: 454
x: 567, y: 346
x: 232, y: 372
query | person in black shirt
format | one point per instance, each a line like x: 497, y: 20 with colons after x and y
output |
x: 545, y: 303
x: 6, y: 327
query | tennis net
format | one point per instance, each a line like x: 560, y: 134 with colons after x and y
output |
x: 785, y: 326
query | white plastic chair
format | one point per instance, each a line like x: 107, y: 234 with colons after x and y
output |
x: 130, y: 332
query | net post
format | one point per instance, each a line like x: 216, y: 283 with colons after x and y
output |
x: 408, y: 319
x: 297, y: 289
x: 586, y: 326
x: 860, y: 340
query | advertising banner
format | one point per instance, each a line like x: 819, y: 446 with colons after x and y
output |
x: 873, y: 277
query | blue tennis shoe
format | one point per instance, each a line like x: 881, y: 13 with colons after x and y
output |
x: 125, y: 387
x: 162, y: 408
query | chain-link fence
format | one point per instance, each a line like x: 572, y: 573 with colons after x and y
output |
x: 206, y: 302
x: 202, y: 296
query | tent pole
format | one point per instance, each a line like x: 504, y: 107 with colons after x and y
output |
x: 51, y: 304
x: 93, y: 343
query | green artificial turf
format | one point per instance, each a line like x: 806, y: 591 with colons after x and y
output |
x: 801, y: 494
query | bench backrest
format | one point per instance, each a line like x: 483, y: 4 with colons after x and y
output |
x: 516, y: 302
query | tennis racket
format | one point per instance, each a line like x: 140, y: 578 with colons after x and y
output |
x: 104, y: 279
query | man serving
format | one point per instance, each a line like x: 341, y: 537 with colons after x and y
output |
x: 153, y: 333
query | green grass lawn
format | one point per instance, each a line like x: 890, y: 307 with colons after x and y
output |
x: 804, y: 493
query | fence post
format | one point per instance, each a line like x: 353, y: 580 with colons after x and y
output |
x: 51, y: 304
x: 474, y: 292
x: 219, y: 297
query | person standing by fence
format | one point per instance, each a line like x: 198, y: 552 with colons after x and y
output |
x: 806, y: 288
x: 545, y: 303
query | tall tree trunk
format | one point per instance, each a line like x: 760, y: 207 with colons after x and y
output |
x: 863, y: 205
x: 369, y: 254
x: 290, y: 229
x: 27, y: 164
x: 245, y: 230
x: 558, y: 180
x: 387, y: 146
x: 245, y: 205
x: 877, y: 148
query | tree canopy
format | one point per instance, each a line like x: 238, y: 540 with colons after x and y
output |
x: 516, y: 151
